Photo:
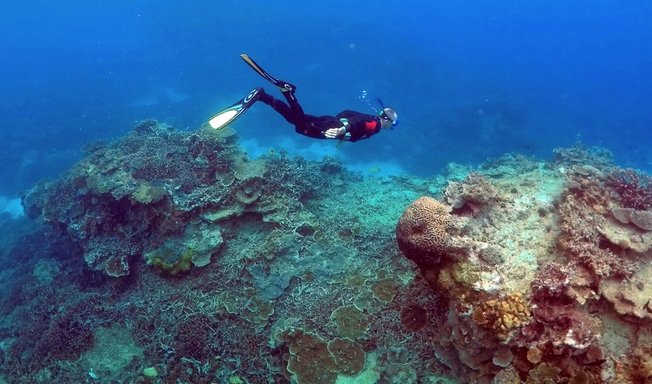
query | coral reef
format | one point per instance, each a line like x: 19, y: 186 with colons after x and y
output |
x: 170, y: 256
x: 145, y: 189
x: 535, y: 274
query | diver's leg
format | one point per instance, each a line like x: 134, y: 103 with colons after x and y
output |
x: 296, y: 108
x: 292, y: 113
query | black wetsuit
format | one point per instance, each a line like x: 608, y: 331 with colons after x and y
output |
x: 358, y: 125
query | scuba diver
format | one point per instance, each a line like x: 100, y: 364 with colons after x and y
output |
x: 345, y: 126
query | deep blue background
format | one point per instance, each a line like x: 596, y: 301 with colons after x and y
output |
x: 469, y: 79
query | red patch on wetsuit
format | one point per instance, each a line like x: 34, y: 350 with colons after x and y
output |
x: 370, y: 126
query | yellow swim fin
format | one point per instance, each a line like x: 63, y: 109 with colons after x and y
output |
x: 226, y: 116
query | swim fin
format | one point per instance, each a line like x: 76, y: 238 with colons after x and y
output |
x: 228, y: 115
x: 282, y: 85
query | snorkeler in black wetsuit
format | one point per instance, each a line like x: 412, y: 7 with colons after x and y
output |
x: 346, y: 126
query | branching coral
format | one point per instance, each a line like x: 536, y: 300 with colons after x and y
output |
x: 634, y: 188
x: 582, y: 242
x: 598, y: 157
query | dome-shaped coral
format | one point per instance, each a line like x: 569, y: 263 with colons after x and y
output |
x: 421, y: 231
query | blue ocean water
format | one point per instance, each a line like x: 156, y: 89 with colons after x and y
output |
x: 469, y: 79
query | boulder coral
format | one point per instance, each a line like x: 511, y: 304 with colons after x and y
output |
x: 421, y: 231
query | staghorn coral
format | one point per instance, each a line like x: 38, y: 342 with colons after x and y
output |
x: 578, y: 154
x: 634, y: 188
x: 192, y: 337
x: 421, y: 231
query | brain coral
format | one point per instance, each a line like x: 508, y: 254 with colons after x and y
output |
x: 421, y: 231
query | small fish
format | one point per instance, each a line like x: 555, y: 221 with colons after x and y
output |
x: 597, y: 362
x: 374, y: 170
x: 271, y: 152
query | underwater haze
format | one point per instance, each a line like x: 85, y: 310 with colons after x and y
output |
x: 470, y: 80
x: 501, y: 233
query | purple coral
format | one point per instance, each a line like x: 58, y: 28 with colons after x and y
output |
x: 634, y: 188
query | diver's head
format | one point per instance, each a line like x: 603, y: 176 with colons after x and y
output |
x: 388, y: 118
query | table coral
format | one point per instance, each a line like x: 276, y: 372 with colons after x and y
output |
x: 384, y: 290
x: 309, y: 362
x: 642, y: 219
x: 350, y: 322
x: 630, y: 296
x: 349, y: 356
x: 312, y: 360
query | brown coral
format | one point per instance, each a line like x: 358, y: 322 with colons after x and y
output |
x: 502, y: 316
x: 348, y: 355
x: 309, y: 360
x: 421, y: 231
x: 630, y: 297
x: 534, y: 355
x: 414, y: 317
x: 350, y: 322
x: 384, y: 290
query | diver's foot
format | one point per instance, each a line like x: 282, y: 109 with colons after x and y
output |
x: 253, y: 96
x: 284, y: 86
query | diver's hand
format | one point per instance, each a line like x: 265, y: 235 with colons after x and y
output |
x: 332, y: 133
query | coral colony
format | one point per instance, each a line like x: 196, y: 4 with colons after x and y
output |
x: 171, y: 257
